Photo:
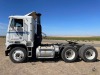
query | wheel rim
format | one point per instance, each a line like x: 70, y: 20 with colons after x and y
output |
x: 70, y: 54
x: 18, y: 55
x: 90, y: 54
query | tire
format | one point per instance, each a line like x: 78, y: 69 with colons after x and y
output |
x: 69, y: 54
x: 18, y: 55
x: 88, y: 53
x: 79, y: 53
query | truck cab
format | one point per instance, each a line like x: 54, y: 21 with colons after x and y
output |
x: 21, y: 30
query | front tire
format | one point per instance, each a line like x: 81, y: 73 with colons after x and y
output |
x: 18, y: 55
x: 69, y: 54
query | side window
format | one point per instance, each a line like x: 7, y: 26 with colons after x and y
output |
x: 18, y: 22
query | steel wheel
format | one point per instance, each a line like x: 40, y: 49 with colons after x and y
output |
x: 90, y: 54
x: 18, y: 55
x: 69, y: 54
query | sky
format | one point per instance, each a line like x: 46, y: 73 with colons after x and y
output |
x: 59, y: 17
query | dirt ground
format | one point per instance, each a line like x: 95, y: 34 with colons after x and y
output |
x: 47, y: 67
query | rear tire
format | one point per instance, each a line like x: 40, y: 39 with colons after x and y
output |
x: 18, y: 55
x: 69, y: 54
x: 88, y: 53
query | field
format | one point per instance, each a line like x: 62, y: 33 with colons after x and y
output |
x: 49, y: 66
x: 75, y: 38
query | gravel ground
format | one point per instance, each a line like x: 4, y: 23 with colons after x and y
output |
x: 47, y: 67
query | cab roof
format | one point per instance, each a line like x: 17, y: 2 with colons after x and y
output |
x: 20, y: 17
x: 29, y: 15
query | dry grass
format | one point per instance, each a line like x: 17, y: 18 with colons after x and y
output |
x: 74, y: 38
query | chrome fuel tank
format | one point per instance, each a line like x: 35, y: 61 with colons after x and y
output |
x: 46, y: 51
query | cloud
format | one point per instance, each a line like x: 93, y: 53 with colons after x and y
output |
x: 3, y: 29
x: 3, y: 26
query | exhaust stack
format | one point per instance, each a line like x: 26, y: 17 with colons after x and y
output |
x: 38, y: 18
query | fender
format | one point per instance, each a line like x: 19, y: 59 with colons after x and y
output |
x: 12, y: 46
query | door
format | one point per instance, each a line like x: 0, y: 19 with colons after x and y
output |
x: 16, y: 30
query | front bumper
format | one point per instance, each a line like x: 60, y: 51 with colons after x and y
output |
x: 7, y: 52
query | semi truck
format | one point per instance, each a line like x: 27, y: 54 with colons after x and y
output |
x: 24, y: 37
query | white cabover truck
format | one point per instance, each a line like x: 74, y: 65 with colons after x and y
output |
x: 23, y: 40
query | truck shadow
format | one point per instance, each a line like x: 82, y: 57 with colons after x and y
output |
x: 98, y: 60
x: 52, y: 60
x: 44, y: 60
